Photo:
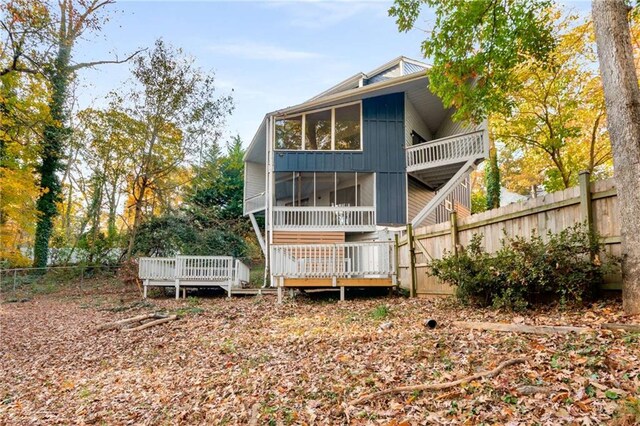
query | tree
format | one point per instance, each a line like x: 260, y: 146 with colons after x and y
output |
x: 23, y: 114
x: 225, y: 181
x: 177, y: 110
x: 41, y: 37
x: 479, y: 42
x: 557, y: 125
x: 484, y: 41
x: 622, y: 96
x: 492, y: 177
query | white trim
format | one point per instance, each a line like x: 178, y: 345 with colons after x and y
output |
x: 375, y: 198
x: 303, y: 135
x: 333, y: 129
x: 297, y: 109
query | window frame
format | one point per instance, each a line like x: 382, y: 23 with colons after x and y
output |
x: 333, y: 129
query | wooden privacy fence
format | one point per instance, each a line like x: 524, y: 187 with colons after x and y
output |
x: 594, y: 203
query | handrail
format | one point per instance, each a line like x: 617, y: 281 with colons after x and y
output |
x: 443, y: 140
x: 255, y: 196
x: 448, y: 150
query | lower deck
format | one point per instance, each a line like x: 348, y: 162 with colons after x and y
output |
x: 337, y: 282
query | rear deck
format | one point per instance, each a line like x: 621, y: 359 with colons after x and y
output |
x: 337, y: 265
x: 193, y: 271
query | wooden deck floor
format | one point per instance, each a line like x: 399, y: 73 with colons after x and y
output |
x: 340, y: 282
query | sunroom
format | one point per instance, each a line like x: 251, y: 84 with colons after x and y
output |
x: 324, y: 201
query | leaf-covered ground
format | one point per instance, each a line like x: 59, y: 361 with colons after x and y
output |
x: 250, y: 361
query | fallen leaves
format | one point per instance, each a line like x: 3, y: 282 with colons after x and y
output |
x: 250, y: 361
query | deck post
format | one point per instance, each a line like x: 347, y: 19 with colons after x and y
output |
x: 177, y: 289
x: 342, y: 293
x: 144, y: 286
x: 279, y: 294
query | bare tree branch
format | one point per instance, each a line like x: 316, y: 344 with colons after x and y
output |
x: 116, y: 61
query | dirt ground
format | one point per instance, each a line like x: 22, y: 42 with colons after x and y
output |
x: 248, y: 361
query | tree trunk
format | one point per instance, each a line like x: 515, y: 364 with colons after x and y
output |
x: 622, y: 98
x: 51, y: 157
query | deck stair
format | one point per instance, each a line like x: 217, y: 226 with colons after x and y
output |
x: 444, y: 163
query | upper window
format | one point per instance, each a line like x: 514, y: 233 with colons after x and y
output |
x: 348, y: 127
x: 289, y: 133
x: 317, y: 134
x: 337, y: 128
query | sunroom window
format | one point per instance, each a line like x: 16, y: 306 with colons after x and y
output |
x: 289, y: 133
x: 318, y: 130
x: 337, y: 128
x: 348, y: 127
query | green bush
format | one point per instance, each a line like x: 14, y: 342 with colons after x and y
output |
x: 525, y: 272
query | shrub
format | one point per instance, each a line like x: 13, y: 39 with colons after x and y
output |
x: 525, y: 272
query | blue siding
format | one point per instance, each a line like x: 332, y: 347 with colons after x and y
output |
x: 382, y: 153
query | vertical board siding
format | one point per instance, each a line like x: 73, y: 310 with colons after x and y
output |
x: 534, y: 217
x: 383, y: 118
x: 382, y: 153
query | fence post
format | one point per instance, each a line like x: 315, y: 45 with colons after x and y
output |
x: 586, y: 208
x: 14, y: 281
x: 454, y: 232
x: 396, y: 259
x: 81, y: 278
x: 412, y: 261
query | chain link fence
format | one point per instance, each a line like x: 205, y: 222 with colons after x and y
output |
x: 19, y: 284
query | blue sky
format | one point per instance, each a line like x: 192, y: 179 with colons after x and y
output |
x: 268, y: 54
x: 271, y: 54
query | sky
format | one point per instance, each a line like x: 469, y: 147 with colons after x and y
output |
x: 267, y: 54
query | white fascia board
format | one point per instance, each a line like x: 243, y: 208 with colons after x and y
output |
x: 359, y: 91
x: 351, y: 80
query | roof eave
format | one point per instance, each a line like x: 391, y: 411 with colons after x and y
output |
x: 348, y: 93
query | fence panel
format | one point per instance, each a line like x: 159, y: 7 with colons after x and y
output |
x: 550, y: 213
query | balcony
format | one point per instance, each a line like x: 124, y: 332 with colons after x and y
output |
x: 435, y: 162
x: 337, y: 218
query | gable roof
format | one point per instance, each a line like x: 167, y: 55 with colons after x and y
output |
x: 398, y: 67
x: 399, y: 74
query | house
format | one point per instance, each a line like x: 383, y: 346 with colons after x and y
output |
x: 334, y: 177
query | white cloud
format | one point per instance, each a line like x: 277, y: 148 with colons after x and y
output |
x: 260, y: 51
x: 315, y: 14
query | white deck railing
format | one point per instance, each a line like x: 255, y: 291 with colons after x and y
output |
x: 206, y: 268
x: 255, y: 203
x: 452, y: 149
x: 343, y: 260
x: 223, y: 271
x: 157, y: 268
x: 324, y: 218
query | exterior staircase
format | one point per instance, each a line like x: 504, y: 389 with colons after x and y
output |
x: 442, y: 164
